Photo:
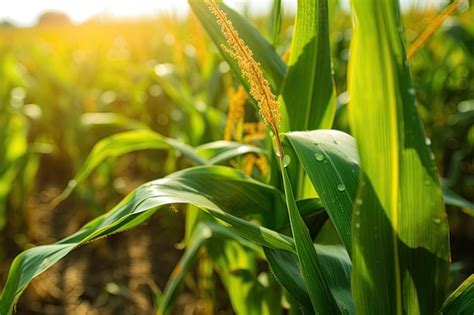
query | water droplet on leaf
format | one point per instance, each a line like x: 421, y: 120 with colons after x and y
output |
x: 428, y: 141
x: 436, y: 220
x: 319, y: 157
x: 341, y: 187
x: 286, y: 160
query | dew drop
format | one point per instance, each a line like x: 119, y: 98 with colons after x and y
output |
x: 427, y: 182
x: 436, y: 220
x: 72, y: 183
x: 359, y: 201
x: 341, y: 187
x: 428, y: 141
x: 319, y: 157
x: 286, y: 160
x: 411, y: 91
x: 357, y: 225
x: 432, y: 156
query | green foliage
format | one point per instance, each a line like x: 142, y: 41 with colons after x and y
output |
x: 400, y: 231
x: 224, y: 192
x: 308, y: 93
x: 310, y: 266
x: 461, y: 301
x: 271, y: 64
x: 376, y: 190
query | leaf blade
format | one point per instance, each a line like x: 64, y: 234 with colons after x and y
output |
x: 200, y: 186
x: 271, y: 64
x: 331, y: 161
x: 400, y: 232
x: 308, y: 92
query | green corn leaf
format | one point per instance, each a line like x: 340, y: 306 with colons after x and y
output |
x: 461, y: 301
x: 331, y: 161
x: 400, y: 234
x: 337, y: 268
x: 13, y: 156
x: 308, y: 93
x: 223, y: 192
x: 111, y: 119
x: 310, y: 265
x: 271, y: 64
x: 284, y: 266
x: 220, y: 151
x: 453, y: 199
x: 275, y: 26
x: 237, y: 268
x: 144, y: 139
x: 201, y: 234
x: 123, y: 143
x: 336, y: 177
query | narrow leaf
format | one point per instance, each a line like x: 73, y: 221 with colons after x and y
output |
x: 308, y: 92
x: 271, y: 64
x: 220, y: 151
x: 331, y: 161
x: 284, y: 266
x: 310, y: 265
x: 201, y: 234
x: 461, y: 301
x: 276, y: 22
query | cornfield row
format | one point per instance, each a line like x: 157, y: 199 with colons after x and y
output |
x: 315, y: 165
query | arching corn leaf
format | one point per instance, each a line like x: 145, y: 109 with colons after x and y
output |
x: 220, y: 151
x: 112, y: 120
x: 145, y: 139
x: 225, y: 193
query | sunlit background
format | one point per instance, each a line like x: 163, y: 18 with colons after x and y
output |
x: 25, y: 12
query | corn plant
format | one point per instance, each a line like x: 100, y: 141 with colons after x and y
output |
x: 378, y: 187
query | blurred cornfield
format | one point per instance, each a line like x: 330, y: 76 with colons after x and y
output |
x: 63, y: 88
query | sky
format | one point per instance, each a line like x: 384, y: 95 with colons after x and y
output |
x: 26, y: 12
